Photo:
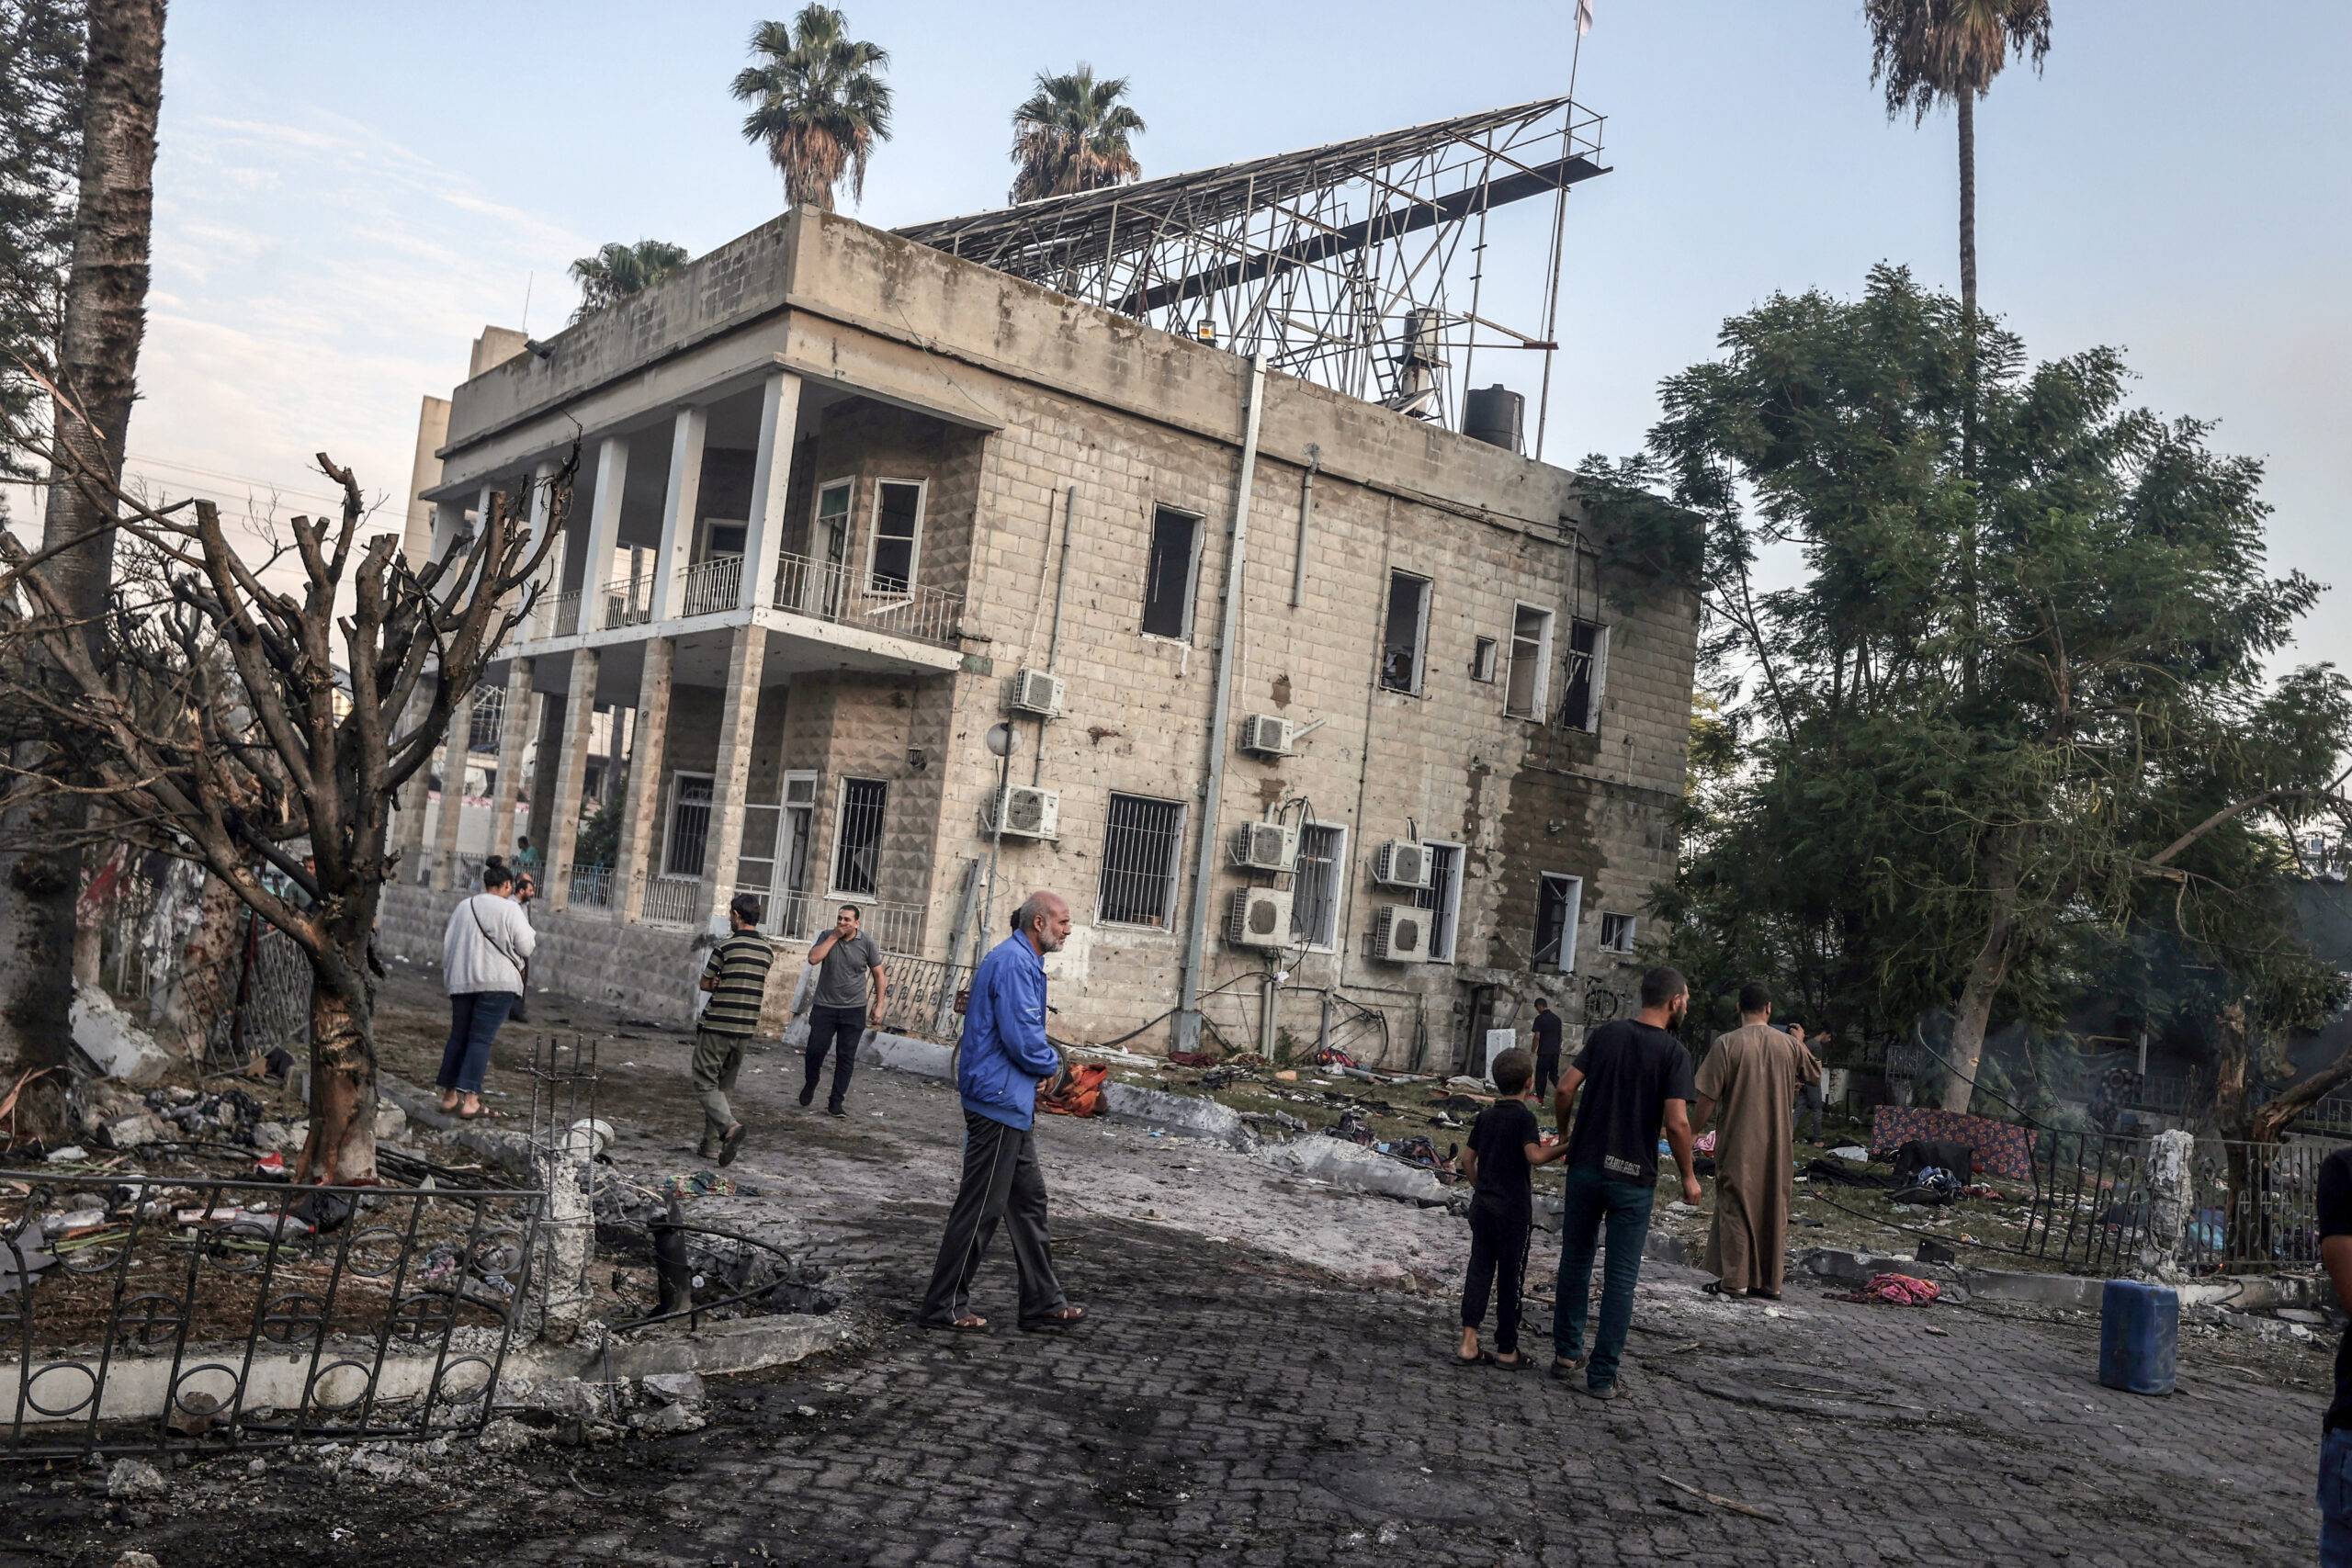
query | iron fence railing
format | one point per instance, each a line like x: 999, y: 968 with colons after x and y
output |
x: 925, y: 996
x: 797, y: 917
x: 672, y: 900
x: 629, y: 602
x: 709, y: 587
x: 157, y: 1311
x: 592, y: 887
x: 832, y: 592
x: 564, y: 618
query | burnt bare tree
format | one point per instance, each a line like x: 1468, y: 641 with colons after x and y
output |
x: 204, y: 718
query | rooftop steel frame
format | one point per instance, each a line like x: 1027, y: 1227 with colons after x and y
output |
x: 1360, y: 265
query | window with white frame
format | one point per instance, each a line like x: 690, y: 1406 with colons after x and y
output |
x: 1170, y: 572
x: 1443, y: 898
x: 1482, y: 660
x: 1530, y: 659
x: 1616, y: 933
x: 1316, y: 884
x: 684, y: 845
x: 1559, y: 901
x: 1588, y: 668
x: 1404, y: 639
x: 1137, y: 887
x: 890, y: 549
x: 857, y: 837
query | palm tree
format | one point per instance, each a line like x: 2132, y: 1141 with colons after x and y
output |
x: 1922, y: 51
x: 818, y: 103
x: 616, y: 272
x: 1072, y: 135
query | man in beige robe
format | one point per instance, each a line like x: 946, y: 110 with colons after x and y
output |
x: 1750, y: 1076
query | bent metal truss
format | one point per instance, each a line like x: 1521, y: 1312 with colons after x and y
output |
x: 1360, y: 265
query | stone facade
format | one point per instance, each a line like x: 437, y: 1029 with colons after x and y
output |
x: 1022, y: 415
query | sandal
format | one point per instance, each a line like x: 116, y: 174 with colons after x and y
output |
x: 1518, y: 1362
x: 1060, y: 1317
x: 1763, y: 1295
x: 1718, y: 1288
x: 971, y: 1322
x: 1480, y: 1359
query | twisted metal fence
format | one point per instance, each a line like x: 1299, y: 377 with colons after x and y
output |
x: 926, y: 996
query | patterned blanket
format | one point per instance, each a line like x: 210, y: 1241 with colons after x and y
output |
x: 2002, y: 1149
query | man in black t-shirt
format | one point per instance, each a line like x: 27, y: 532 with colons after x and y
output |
x: 1547, y: 1048
x: 2336, y: 1441
x: 1635, y: 1079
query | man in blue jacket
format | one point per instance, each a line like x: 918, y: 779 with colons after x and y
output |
x: 1002, y: 1064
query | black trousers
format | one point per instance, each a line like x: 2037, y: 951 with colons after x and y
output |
x: 1001, y: 1181
x: 1547, y: 1072
x: 839, y: 1029
x: 1498, y: 1262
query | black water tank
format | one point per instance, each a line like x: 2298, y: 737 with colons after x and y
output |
x: 1494, y: 415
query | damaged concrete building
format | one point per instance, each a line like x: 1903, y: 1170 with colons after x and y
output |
x: 1089, y: 548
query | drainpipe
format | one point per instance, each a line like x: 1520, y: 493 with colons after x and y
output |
x: 1236, y: 558
x: 1305, y: 511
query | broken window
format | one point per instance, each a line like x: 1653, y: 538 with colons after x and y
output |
x: 1531, y: 655
x: 683, y: 846
x: 1482, y: 660
x: 1558, y: 900
x: 1167, y: 575
x: 1587, y: 663
x: 858, y: 841
x: 1139, y: 843
x: 1316, y: 886
x: 1401, y: 643
x: 1616, y: 933
x: 1441, y: 898
x: 898, y: 519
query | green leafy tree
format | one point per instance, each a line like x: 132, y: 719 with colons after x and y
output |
x: 618, y: 271
x: 2000, y: 719
x: 40, y: 157
x: 818, y: 103
x: 1074, y: 133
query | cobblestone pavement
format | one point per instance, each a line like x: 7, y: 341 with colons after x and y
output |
x: 1229, y: 1405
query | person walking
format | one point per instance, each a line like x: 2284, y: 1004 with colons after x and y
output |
x: 483, y: 953
x: 1547, y: 1049
x: 1750, y: 1076
x: 1635, y: 1079
x: 737, y: 981
x: 1002, y: 1062
x: 849, y: 966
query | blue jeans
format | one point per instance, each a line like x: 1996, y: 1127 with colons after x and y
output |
x: 1625, y: 1206
x: 474, y: 1018
x: 2335, y: 1499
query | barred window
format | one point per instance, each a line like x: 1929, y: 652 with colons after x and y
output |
x: 1138, y: 882
x: 1442, y: 899
x: 858, y: 838
x: 489, y: 723
x: 683, y: 847
x: 1315, y: 887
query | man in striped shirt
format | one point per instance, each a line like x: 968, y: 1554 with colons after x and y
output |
x: 737, y: 979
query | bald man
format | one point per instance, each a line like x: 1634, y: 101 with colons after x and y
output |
x: 1003, y: 1060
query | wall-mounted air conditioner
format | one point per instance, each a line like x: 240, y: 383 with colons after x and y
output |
x: 1401, y: 864
x: 1258, y: 916
x: 1400, y: 934
x: 1266, y: 846
x: 1037, y: 693
x: 1267, y: 735
x: 1022, y: 812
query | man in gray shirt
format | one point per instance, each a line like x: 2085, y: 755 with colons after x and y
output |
x: 848, y: 965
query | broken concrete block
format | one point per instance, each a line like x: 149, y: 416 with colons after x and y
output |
x: 669, y: 1420
x: 134, y: 1131
x: 193, y: 1414
x: 117, y: 1047
x: 391, y: 1122
x: 675, y: 1388
x: 273, y: 1137
x: 134, y: 1478
x: 504, y: 1435
x: 137, y: 1560
x: 1354, y: 1168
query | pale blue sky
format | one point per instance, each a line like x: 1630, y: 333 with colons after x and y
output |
x: 347, y: 193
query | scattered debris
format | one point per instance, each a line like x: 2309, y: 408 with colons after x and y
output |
x: 131, y: 1479
x: 1732, y: 1504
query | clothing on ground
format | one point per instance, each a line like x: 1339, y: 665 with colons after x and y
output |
x: 474, y: 1019
x: 1002, y: 1182
x: 718, y: 1057
x: 843, y: 974
x: 1752, y: 1075
x: 1498, y: 1263
x: 1499, y: 1138
x: 1596, y: 1210
x: 1631, y: 1069
x: 1003, y: 1054
x: 2335, y: 1202
x: 737, y: 973
x: 838, y: 1030
x: 484, y: 947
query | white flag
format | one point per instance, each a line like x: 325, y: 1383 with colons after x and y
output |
x: 1584, y: 17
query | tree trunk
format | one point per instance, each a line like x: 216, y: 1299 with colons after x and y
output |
x: 342, y: 1144
x: 1982, y: 987
x: 1966, y: 101
x: 204, y: 971
x: 106, y: 316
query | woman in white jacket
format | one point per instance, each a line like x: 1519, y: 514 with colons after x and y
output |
x: 481, y: 964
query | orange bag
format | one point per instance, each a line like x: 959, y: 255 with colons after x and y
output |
x: 1079, y: 1092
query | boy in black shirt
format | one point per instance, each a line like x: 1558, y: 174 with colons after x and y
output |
x: 1505, y: 1146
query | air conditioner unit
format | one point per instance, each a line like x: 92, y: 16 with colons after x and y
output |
x: 1260, y: 917
x: 1037, y: 692
x: 1400, y: 934
x: 1401, y: 865
x: 1266, y: 735
x: 1022, y: 812
x: 1266, y: 846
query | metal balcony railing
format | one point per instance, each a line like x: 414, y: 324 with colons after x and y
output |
x: 592, y: 887
x: 709, y: 587
x: 565, y: 614
x: 832, y: 592
x: 628, y: 603
x: 672, y: 900
x: 804, y: 917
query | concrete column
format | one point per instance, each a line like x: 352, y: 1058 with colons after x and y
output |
x: 546, y: 732
x: 630, y: 866
x: 453, y: 792
x: 603, y: 530
x: 412, y: 868
x: 571, y: 768
x: 513, y: 736
x: 771, y: 476
x: 678, y: 504
x: 738, y: 717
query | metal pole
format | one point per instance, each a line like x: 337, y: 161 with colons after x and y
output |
x: 1188, y: 994
x: 1306, y: 510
